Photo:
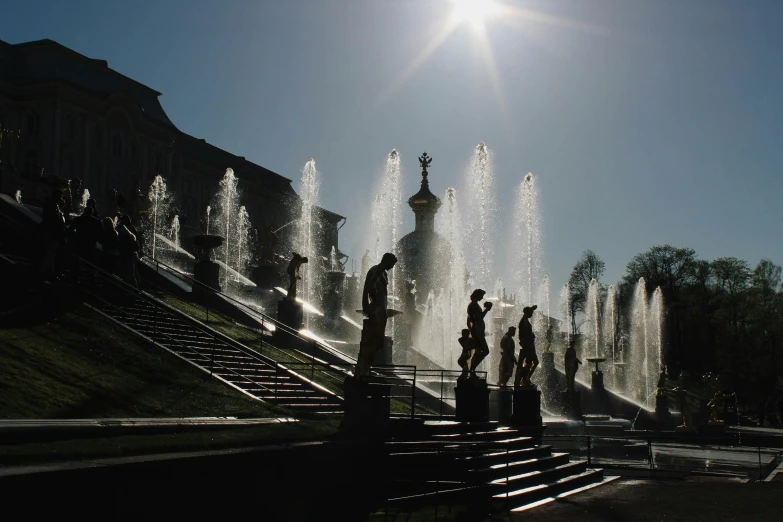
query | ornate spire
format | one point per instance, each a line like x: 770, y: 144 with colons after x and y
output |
x: 424, y: 203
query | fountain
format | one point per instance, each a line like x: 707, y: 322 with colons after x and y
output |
x: 527, y: 260
x: 174, y: 231
x: 160, y: 202
x: 639, y: 381
x: 244, y: 248
x: 610, y: 331
x: 656, y: 317
x: 85, y: 197
x: 308, y: 240
x: 481, y: 209
x: 209, y: 209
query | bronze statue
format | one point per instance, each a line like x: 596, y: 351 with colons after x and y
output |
x: 507, y: 359
x: 375, y: 308
x: 571, y: 364
x: 477, y: 328
x: 714, y: 405
x: 528, y: 359
x: 467, y: 348
x: 293, y: 274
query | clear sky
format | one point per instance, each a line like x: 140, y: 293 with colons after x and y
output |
x: 646, y: 122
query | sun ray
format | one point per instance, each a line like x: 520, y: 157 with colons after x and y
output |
x: 494, y: 76
x: 419, y: 60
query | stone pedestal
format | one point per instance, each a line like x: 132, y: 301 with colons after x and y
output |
x: 367, y: 406
x: 527, y: 407
x: 572, y: 405
x: 661, y: 405
x: 290, y: 313
x: 472, y: 400
x: 207, y: 273
x: 501, y: 403
x: 597, y: 381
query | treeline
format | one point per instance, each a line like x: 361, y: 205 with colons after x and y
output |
x: 722, y: 316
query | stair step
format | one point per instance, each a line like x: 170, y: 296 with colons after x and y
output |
x: 525, y: 496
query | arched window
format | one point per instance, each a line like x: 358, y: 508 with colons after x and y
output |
x: 116, y: 144
x: 33, y: 123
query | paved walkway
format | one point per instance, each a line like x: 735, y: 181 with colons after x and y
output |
x: 694, y: 499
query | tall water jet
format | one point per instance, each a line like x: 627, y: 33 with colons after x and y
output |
x: 640, y: 385
x: 545, y: 285
x: 610, y: 321
x: 243, y: 240
x: 656, y: 318
x: 333, y: 260
x: 85, y: 197
x: 174, y: 231
x: 387, y: 220
x: 481, y: 203
x: 308, y: 239
x: 160, y: 202
x: 593, y: 319
x: 525, y: 251
x: 566, y: 310
x: 209, y: 209
x: 226, y: 205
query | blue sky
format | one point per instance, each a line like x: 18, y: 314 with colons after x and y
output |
x: 646, y: 122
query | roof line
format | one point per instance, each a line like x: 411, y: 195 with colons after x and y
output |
x: 47, y: 42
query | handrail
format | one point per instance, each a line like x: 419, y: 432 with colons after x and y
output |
x: 214, y: 363
x: 194, y: 282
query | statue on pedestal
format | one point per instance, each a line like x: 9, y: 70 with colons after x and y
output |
x: 375, y: 309
x: 293, y: 274
x: 548, y: 336
x: 507, y: 359
x: 528, y: 359
x: 478, y: 328
x: 467, y: 350
x: 571, y: 364
x: 661, y: 392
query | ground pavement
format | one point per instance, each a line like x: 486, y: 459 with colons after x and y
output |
x: 694, y: 499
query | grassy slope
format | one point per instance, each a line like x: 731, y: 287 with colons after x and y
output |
x: 80, y: 365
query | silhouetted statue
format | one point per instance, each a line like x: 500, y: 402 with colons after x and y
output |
x: 375, y: 307
x: 548, y: 336
x: 571, y: 364
x: 507, y: 359
x: 661, y: 383
x: 293, y: 274
x: 478, y: 328
x: 528, y: 359
x: 467, y: 348
x: 715, y: 405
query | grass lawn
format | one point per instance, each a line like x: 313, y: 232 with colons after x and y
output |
x: 77, y: 364
x: 128, y: 445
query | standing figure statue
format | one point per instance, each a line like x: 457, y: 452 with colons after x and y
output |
x: 682, y: 400
x: 548, y: 336
x: 293, y: 274
x: 571, y: 364
x: 528, y: 359
x: 467, y: 350
x: 478, y: 328
x: 375, y: 307
x: 507, y: 359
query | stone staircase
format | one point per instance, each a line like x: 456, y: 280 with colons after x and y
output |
x: 226, y: 359
x: 479, y: 464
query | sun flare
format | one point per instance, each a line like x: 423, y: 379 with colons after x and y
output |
x: 474, y: 11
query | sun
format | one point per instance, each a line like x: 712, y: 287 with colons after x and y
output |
x: 474, y: 11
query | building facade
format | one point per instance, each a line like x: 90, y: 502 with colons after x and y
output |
x: 67, y: 116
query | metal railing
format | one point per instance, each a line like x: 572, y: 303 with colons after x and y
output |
x: 664, y: 454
